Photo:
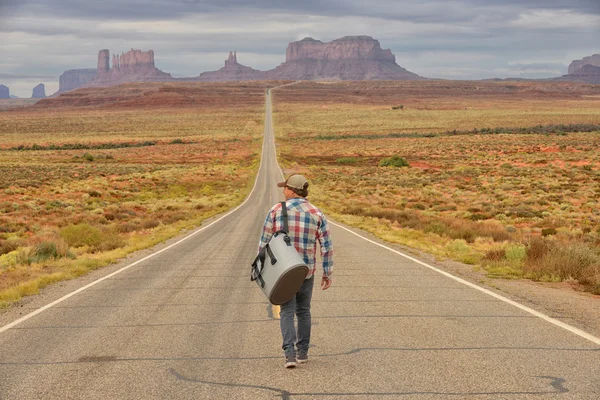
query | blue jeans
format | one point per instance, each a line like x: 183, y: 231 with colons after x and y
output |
x: 300, y: 306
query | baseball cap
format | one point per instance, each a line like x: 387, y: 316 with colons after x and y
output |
x: 295, y: 181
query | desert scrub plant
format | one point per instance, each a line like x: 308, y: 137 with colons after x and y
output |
x: 551, y: 259
x: 81, y: 235
x: 88, y: 157
x: 393, y: 161
x: 458, y: 249
x: 516, y: 254
x: 7, y: 246
x: 43, y: 251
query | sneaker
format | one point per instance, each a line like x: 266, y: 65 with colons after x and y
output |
x: 290, y: 362
x: 302, y: 358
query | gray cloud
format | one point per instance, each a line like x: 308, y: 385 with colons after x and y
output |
x: 414, y: 10
x: 25, y: 76
x: 436, y: 38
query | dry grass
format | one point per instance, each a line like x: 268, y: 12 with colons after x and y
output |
x: 472, y: 197
x: 65, y: 211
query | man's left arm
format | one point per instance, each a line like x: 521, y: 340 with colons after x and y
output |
x: 324, y: 237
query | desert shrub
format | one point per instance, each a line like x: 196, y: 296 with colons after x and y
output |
x: 48, y: 245
x: 537, y: 249
x: 112, y: 240
x: 494, y: 230
x: 436, y: 227
x: 81, y: 235
x: 6, y: 246
x: 495, y: 255
x: 353, y: 210
x: 418, y: 206
x: 465, y: 233
x: 548, y: 231
x: 126, y: 227
x: 478, y: 217
x: 461, y: 251
x: 525, y: 212
x: 150, y: 223
x: 43, y: 251
x: 88, y: 157
x: 393, y: 161
x: 571, y: 260
x: 516, y: 253
x: 398, y: 107
x: 172, y: 217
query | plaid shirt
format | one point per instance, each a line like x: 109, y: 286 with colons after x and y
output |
x: 307, y: 225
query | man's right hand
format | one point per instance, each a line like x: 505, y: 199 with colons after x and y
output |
x: 325, y: 283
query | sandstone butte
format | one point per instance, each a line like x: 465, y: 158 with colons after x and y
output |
x: 585, y: 70
x: 133, y: 66
x: 576, y: 65
x: 348, y: 58
x: 75, y: 78
x: 39, y: 92
x: 4, y: 92
x: 232, y: 71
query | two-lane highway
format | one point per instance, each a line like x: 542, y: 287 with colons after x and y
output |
x: 188, y: 324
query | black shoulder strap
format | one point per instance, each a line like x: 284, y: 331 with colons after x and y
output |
x: 285, y: 217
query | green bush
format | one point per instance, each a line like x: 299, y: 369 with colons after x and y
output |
x: 393, y: 161
x: 81, y: 235
x: 516, y: 253
x: 88, y: 157
x: 44, y: 251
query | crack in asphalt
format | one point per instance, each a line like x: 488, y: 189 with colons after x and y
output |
x: 104, y: 359
x: 270, y: 320
x: 261, y: 302
x: 556, y: 383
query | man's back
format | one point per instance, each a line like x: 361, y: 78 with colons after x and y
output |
x: 307, y: 225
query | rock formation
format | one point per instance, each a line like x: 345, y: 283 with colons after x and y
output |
x: 4, y: 92
x: 39, y: 92
x: 232, y: 71
x: 348, y: 58
x: 133, y: 66
x: 75, y: 78
x: 586, y: 70
x: 578, y: 64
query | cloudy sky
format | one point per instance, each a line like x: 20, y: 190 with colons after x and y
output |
x: 450, y: 39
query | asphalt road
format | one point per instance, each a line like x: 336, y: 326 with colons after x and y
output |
x: 188, y: 324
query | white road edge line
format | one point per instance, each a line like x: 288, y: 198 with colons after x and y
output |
x: 89, y: 285
x: 538, y: 314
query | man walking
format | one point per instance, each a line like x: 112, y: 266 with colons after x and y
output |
x: 307, y: 226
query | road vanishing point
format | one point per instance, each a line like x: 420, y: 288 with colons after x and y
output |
x: 183, y: 321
